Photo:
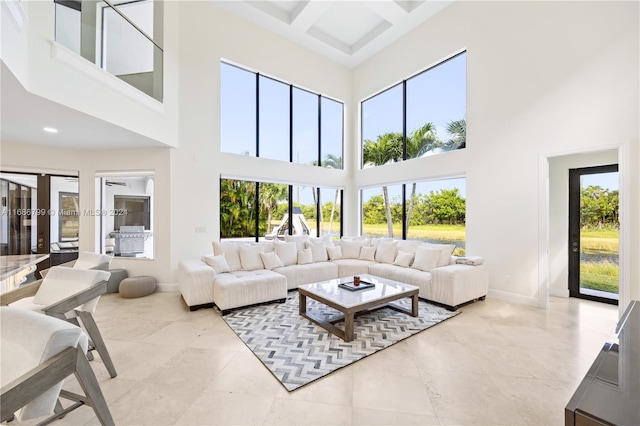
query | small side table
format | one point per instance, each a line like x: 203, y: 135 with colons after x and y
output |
x: 117, y: 275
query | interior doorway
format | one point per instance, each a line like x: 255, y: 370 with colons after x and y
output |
x: 594, y: 233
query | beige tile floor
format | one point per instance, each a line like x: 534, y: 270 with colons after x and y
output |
x: 497, y: 363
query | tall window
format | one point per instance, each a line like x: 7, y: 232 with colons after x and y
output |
x: 433, y: 211
x: 260, y: 210
x: 423, y: 115
x: 266, y: 118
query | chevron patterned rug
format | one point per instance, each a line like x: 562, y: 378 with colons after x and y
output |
x: 298, y: 352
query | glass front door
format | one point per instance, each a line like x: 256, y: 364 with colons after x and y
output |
x: 593, y: 233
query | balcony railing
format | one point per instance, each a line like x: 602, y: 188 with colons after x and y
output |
x: 116, y: 36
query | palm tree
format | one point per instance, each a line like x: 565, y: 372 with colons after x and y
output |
x: 422, y: 140
x: 333, y: 162
x: 458, y: 131
x: 270, y: 194
x: 387, y: 149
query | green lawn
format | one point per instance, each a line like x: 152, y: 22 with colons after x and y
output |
x: 600, y: 276
x: 436, y: 232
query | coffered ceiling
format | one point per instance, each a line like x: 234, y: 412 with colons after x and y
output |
x: 345, y: 31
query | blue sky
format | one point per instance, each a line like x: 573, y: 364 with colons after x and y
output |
x: 604, y: 180
x: 437, y: 95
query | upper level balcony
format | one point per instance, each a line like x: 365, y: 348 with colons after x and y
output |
x: 92, y: 60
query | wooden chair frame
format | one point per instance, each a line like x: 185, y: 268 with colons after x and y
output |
x: 60, y: 308
x: 32, y: 384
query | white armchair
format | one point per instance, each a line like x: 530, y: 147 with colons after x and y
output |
x: 67, y: 294
x: 86, y: 260
x: 38, y: 352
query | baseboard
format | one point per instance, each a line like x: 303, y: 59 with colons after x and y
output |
x: 559, y: 292
x: 167, y: 287
x: 511, y: 297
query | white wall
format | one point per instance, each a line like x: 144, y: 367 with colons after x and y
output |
x: 207, y: 35
x: 559, y: 213
x: 543, y: 78
x: 21, y: 157
x: 50, y: 70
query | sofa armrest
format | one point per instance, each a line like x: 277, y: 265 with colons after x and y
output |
x: 195, y: 281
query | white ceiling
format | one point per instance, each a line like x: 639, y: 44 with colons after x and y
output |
x: 24, y: 116
x: 348, y: 32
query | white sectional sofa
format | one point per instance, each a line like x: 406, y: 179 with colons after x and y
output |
x: 241, y: 274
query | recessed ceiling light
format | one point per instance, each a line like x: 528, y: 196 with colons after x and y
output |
x: 50, y: 130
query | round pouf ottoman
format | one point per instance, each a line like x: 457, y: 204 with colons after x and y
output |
x: 137, y: 286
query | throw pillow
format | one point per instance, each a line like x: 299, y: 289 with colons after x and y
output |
x: 250, y: 257
x: 426, y: 258
x: 335, y: 253
x: 287, y: 252
x: 446, y: 251
x: 367, y: 253
x: 386, y: 252
x: 218, y: 263
x: 231, y: 253
x: 403, y: 259
x: 318, y: 251
x: 350, y: 248
x: 305, y: 256
x: 271, y: 260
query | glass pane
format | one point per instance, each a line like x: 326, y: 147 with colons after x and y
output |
x: 305, y: 200
x: 125, y: 49
x: 274, y: 119
x: 382, y: 128
x: 436, y: 108
x: 436, y: 212
x: 331, y: 143
x: 19, y: 218
x: 237, y: 110
x: 126, y: 215
x: 68, y: 27
x: 330, y: 213
x: 65, y: 224
x: 274, y: 206
x: 305, y: 127
x: 599, y: 229
x: 382, y: 211
x: 238, y: 210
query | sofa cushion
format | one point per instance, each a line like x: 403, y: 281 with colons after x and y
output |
x: 386, y: 252
x: 307, y: 274
x: 242, y: 288
x: 287, y: 252
x: 367, y: 253
x: 403, y: 259
x: 335, y: 253
x: 318, y: 250
x: 350, y: 248
x: 304, y: 256
x: 250, y: 257
x: 231, y: 253
x: 409, y: 246
x: 403, y: 275
x: 298, y: 239
x: 218, y: 263
x: 271, y: 260
x: 427, y: 258
x: 351, y: 267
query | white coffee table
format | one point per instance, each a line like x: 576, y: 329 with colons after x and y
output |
x: 352, y: 303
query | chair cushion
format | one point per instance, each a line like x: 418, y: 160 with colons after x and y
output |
x: 62, y: 282
x: 88, y: 260
x: 29, y: 339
